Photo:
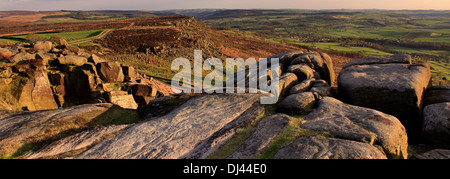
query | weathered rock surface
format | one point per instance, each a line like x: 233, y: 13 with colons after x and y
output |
x: 437, y: 94
x: 163, y: 105
x: 284, y: 62
x: 321, y: 87
x: 301, y: 65
x: 303, y: 72
x: 25, y: 101
x: 46, y: 58
x: 42, y: 94
x: 394, y: 88
x: 320, y: 62
x: 197, y: 125
x: 80, y: 82
x: 5, y: 54
x: 328, y: 148
x: 436, y: 128
x: 304, y: 86
x: 227, y: 132
x: 360, y: 124
x: 250, y: 78
x: 297, y: 104
x: 15, y: 130
x: 387, y: 59
x: 266, y: 130
x: 122, y: 99
x: 110, y: 72
x: 73, y: 79
x: 143, y: 93
x: 434, y: 154
x: 72, y: 60
x: 44, y: 46
x: 63, y: 42
x: 75, y: 142
x: 177, y: 134
x: 35, y: 93
x: 285, y: 59
x: 95, y: 59
x: 21, y: 56
x: 58, y: 86
x: 287, y: 81
x: 129, y: 73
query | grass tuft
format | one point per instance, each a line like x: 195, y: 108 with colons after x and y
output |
x: 288, y: 135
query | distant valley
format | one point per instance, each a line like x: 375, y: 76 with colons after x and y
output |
x: 344, y: 34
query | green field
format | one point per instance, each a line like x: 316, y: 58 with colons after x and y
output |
x: 330, y: 46
x: 351, y: 33
x: 69, y: 36
x: 440, y: 70
x: 424, y: 51
x: 425, y: 34
x: 326, y: 28
x: 336, y: 24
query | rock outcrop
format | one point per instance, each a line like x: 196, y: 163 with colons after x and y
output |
x: 298, y: 70
x: 320, y: 62
x: 43, y: 46
x: 21, y: 56
x: 297, y: 104
x: 304, y: 86
x: 315, y: 123
x: 436, y: 128
x: 359, y: 124
x: 287, y: 81
x: 303, y: 72
x: 75, y: 142
x: 17, y: 130
x: 122, y: 99
x: 143, y: 94
x: 5, y: 54
x: 42, y: 95
x: 43, y: 76
x: 390, y: 84
x: 74, y: 60
x: 110, y: 72
x: 180, y: 133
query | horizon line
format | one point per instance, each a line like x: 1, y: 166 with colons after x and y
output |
x: 232, y: 9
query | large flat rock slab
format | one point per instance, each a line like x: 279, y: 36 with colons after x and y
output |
x: 75, y: 142
x: 15, y: 130
x: 179, y: 133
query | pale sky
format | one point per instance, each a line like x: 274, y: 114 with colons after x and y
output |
x: 44, y: 5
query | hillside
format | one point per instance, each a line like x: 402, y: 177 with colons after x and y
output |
x: 156, y: 40
x: 158, y: 45
x: 350, y: 33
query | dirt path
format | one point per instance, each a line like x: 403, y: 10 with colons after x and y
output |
x: 99, y: 36
x: 90, y: 39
